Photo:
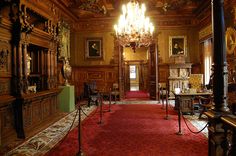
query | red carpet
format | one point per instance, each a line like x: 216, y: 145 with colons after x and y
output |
x: 137, y: 95
x: 134, y: 130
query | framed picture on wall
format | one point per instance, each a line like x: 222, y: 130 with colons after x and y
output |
x: 177, y: 46
x: 64, y: 44
x: 94, y: 48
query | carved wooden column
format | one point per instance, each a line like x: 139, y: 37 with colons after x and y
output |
x: 121, y: 72
x: 48, y: 68
x: 55, y: 69
x: 52, y: 67
x: 153, y: 72
x: 54, y: 60
x: 25, y: 76
x: 127, y: 77
x: 220, y: 82
x: 19, y: 69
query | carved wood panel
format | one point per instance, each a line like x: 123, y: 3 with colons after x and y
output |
x: 7, y: 123
x: 4, y: 60
x: 27, y: 115
x: 5, y: 86
x: 39, y: 110
x: 46, y: 108
x: 36, y: 112
x: 5, y: 68
x: 153, y: 72
x: 104, y: 77
x: 163, y: 73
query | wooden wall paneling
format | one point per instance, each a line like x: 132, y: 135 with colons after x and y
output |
x: 153, y: 77
x: 36, y: 112
x: 121, y: 71
x: 163, y: 73
x: 39, y: 110
x: 46, y: 110
x: 104, y: 76
x: 7, y: 122
x: 5, y: 67
x: 146, y: 77
x: 26, y: 113
x: 127, y: 77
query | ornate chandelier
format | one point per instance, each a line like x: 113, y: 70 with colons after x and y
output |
x: 133, y: 28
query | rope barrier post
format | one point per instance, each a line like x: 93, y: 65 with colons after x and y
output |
x: 101, y: 101
x: 115, y: 96
x: 80, y: 153
x: 167, y: 102
x: 179, y: 120
x: 162, y: 98
x: 109, y: 102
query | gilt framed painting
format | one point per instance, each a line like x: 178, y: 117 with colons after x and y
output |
x: 93, y: 48
x: 177, y: 46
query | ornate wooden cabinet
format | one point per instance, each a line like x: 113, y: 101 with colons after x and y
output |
x: 28, y: 67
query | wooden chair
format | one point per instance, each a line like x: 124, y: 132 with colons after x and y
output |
x: 90, y: 94
x: 205, y: 103
x: 115, y: 94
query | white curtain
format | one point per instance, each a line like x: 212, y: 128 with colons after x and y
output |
x: 207, y: 55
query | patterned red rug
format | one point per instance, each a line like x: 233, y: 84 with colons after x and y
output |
x: 134, y: 130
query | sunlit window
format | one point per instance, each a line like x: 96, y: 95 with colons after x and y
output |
x: 132, y: 69
x: 207, y: 53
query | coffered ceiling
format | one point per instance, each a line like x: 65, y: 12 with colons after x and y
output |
x: 112, y: 8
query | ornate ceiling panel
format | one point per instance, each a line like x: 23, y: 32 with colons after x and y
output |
x: 112, y: 8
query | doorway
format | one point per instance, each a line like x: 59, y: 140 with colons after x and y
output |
x: 145, y: 61
x: 134, y: 78
x: 136, y: 69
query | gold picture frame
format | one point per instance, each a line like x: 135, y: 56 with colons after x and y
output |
x: 94, y: 48
x: 177, y: 46
x: 230, y: 40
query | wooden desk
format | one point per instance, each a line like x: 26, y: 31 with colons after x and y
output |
x: 184, y: 101
x: 184, y: 104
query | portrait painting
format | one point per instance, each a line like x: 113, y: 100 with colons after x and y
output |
x: 177, y: 45
x: 94, y: 49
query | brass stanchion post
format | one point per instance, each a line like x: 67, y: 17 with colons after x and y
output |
x: 80, y: 153
x: 167, y: 112
x: 100, y: 99
x: 110, y: 102
x: 179, y: 120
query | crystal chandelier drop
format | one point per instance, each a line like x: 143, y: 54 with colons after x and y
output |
x: 133, y: 28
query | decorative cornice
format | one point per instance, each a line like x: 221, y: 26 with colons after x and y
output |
x: 42, y: 7
x: 207, y: 31
x: 104, y: 25
x: 64, y: 10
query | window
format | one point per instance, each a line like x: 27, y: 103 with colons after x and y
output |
x: 132, y: 69
x: 207, y: 55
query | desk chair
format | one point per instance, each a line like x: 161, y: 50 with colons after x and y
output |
x: 91, y: 95
x: 205, y: 103
x: 115, y: 94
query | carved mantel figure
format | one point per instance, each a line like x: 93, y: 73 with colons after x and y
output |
x: 28, y: 59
